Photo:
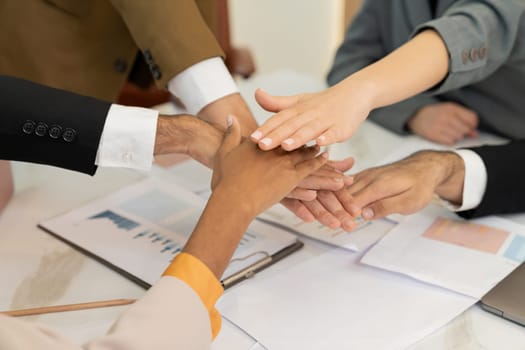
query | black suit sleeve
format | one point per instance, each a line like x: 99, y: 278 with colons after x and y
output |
x: 43, y: 125
x: 505, y: 192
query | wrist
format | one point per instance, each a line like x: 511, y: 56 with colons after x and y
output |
x: 236, y: 204
x: 174, y: 134
x: 362, y: 88
x: 451, y: 186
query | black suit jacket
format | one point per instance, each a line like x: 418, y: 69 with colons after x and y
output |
x: 40, y: 124
x: 505, y: 192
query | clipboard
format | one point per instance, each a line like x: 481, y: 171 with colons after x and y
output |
x: 139, y: 241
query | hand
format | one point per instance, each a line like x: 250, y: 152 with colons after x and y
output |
x: 233, y: 104
x: 408, y: 185
x: 330, y: 177
x: 254, y: 179
x: 328, y: 206
x: 326, y: 117
x: 189, y: 135
x: 445, y: 123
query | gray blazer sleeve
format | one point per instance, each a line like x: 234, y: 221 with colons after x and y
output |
x: 480, y: 36
x: 362, y: 44
x: 395, y: 117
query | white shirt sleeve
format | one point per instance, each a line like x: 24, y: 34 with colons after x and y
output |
x: 169, y: 316
x: 128, y: 138
x: 202, y: 83
x: 475, y: 181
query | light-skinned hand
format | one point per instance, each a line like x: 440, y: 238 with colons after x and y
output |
x: 326, y: 117
x: 408, y: 185
x: 445, y: 123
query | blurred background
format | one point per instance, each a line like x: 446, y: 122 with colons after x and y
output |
x: 294, y: 34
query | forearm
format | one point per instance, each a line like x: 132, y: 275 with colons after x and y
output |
x: 233, y: 104
x: 416, y: 66
x: 219, y: 231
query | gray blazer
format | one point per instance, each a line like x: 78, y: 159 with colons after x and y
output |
x: 486, y: 45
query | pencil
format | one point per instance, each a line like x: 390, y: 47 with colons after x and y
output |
x: 68, y: 307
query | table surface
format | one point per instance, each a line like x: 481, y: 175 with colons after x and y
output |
x: 37, y: 269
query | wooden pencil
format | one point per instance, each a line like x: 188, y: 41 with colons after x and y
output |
x: 68, y: 307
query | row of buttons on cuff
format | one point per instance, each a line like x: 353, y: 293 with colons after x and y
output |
x: 54, y: 131
x: 155, y: 70
x: 473, y: 55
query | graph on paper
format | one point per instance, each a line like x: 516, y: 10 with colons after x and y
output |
x: 141, y: 228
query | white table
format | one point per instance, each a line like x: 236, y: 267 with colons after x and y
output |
x: 36, y: 269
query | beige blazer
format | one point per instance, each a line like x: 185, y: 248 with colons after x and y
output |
x: 169, y: 316
x: 89, y: 46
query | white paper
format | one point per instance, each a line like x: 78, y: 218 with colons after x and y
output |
x: 141, y: 228
x: 334, y: 302
x: 366, y: 233
x: 438, y: 247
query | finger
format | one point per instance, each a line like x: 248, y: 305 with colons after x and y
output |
x: 347, y: 201
x: 302, y: 194
x: 473, y: 134
x: 333, y: 135
x: 342, y: 165
x: 469, y: 117
x: 285, y: 134
x: 321, y: 214
x: 273, y: 103
x: 328, y: 171
x: 461, y: 127
x: 362, y: 180
x: 329, y: 200
x: 387, y: 206
x: 281, y: 119
x: 299, y: 209
x: 307, y: 167
x: 378, y: 190
x: 303, y: 153
x: 315, y: 182
x: 299, y: 133
x: 449, y: 136
x: 232, y: 137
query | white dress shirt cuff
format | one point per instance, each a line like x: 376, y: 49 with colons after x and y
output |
x: 128, y: 138
x: 475, y: 181
x: 202, y: 84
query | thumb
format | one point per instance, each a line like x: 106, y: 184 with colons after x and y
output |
x: 342, y: 165
x: 232, y: 137
x: 273, y: 103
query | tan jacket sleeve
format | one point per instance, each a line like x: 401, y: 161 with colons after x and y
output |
x: 172, y: 34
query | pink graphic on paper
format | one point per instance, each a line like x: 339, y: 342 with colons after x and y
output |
x: 467, y: 234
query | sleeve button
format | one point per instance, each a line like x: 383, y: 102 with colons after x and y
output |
x: 41, y: 129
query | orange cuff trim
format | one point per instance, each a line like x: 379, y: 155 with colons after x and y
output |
x: 198, y: 276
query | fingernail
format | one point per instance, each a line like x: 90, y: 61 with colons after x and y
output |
x: 354, y: 209
x: 324, y: 154
x: 338, y: 179
x: 348, y: 224
x: 288, y: 142
x: 229, y: 121
x: 266, y: 141
x: 321, y: 138
x: 349, y: 180
x: 368, y: 213
x: 256, y: 135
